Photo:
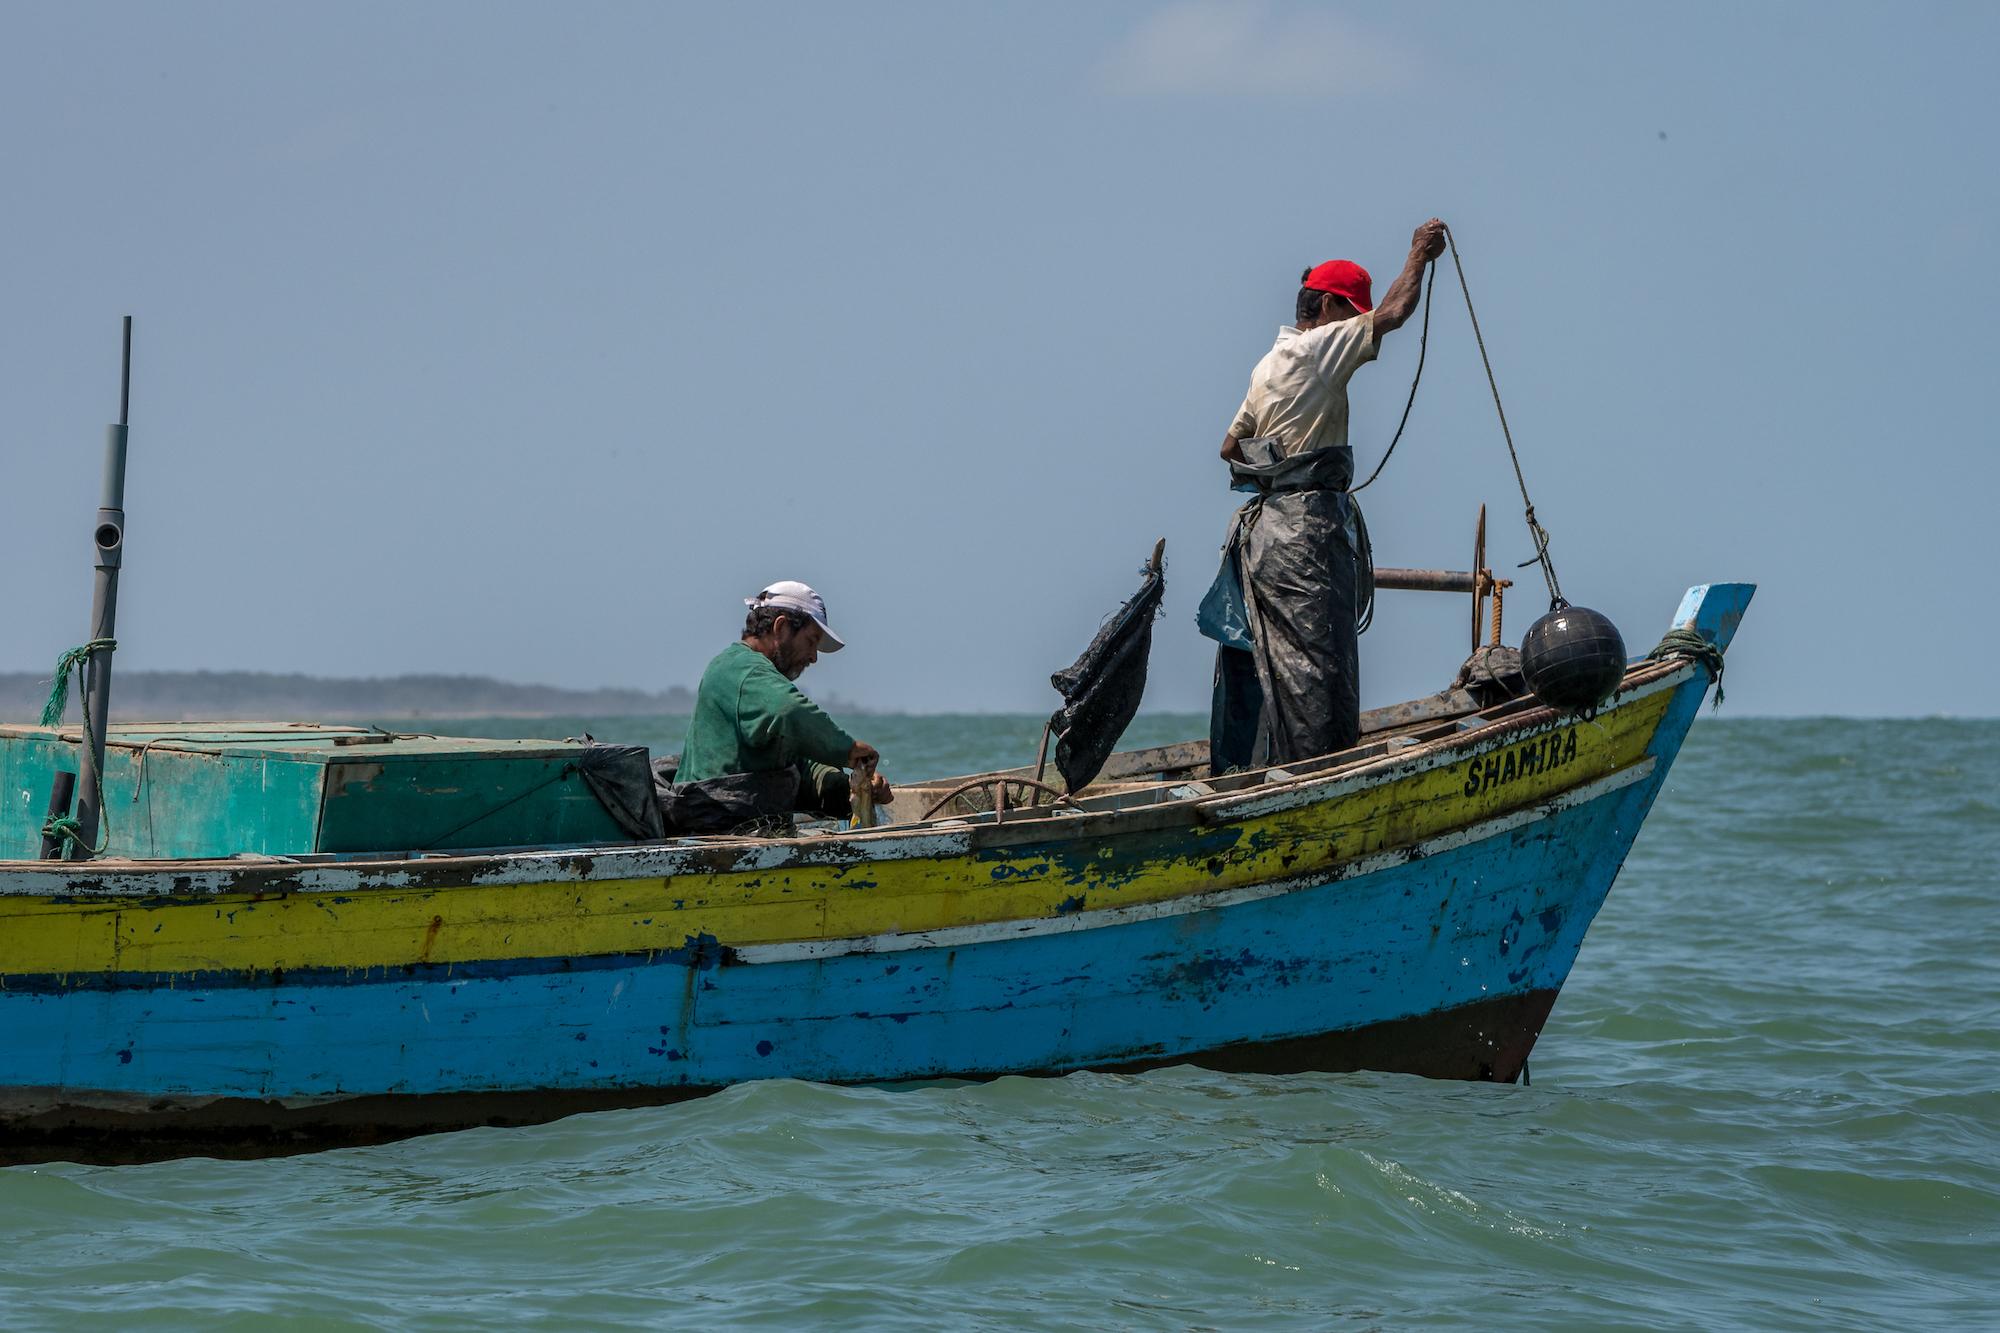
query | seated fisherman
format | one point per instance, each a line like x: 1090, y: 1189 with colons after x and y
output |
x: 758, y: 751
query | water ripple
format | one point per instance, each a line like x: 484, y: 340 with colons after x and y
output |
x: 1765, y: 1099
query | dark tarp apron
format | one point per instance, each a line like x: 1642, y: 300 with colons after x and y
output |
x: 1284, y: 607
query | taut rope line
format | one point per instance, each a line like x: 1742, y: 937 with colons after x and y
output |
x: 1423, y: 346
x: 1535, y: 529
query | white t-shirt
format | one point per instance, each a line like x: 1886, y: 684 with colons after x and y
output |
x: 1298, y: 392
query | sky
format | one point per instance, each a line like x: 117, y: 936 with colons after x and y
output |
x: 527, y: 340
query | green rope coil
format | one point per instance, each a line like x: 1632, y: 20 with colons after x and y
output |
x: 73, y: 660
x: 1682, y: 641
x: 65, y: 826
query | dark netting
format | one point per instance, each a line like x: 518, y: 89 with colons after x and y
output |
x: 760, y: 803
x: 1101, y: 689
x: 733, y: 803
x: 1492, y: 675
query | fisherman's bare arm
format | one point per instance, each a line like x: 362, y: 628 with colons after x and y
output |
x: 1241, y: 427
x: 1400, y: 301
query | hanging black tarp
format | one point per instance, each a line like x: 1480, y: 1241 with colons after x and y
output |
x: 1101, y: 689
x: 621, y: 778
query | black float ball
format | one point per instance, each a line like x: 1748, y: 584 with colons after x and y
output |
x: 1573, y: 658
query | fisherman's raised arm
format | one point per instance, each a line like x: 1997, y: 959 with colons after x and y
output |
x: 1400, y: 301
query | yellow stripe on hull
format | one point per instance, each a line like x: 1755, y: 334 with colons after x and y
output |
x: 390, y: 927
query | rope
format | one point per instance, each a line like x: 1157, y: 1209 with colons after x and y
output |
x: 73, y: 660
x: 1364, y: 567
x: 1364, y: 615
x: 1535, y: 529
x: 67, y: 827
x: 1684, y: 642
x: 1000, y: 785
x: 1423, y: 345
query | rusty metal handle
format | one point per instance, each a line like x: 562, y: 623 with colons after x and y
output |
x: 1425, y: 580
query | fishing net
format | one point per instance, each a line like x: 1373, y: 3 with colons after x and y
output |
x: 765, y: 803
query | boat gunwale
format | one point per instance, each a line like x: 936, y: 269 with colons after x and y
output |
x: 337, y: 743
x: 111, y: 878
x: 1347, y: 779
x: 1096, y: 918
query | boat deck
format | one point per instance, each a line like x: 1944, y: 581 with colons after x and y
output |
x: 1177, y: 772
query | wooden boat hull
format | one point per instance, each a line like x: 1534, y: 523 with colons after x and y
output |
x: 1417, y: 914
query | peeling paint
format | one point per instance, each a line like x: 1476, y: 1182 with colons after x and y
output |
x: 1103, y: 937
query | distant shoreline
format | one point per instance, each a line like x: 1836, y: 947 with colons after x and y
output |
x: 268, y: 696
x: 186, y: 696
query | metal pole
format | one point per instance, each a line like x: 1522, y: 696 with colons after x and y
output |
x: 1426, y: 580
x: 109, y: 537
x: 62, y: 789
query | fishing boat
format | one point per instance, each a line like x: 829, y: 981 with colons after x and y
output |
x: 1413, y: 904
x: 257, y: 937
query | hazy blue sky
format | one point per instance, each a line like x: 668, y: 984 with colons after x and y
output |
x: 526, y: 340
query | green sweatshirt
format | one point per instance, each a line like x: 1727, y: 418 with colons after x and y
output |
x: 749, y: 719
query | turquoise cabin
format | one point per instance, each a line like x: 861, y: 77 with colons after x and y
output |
x: 194, y: 790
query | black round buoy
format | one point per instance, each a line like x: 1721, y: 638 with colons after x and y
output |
x: 1573, y: 658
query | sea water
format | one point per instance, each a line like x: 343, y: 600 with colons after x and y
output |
x: 1769, y: 1097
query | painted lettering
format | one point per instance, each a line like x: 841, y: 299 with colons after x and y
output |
x: 1541, y: 755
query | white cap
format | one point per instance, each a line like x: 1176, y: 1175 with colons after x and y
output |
x: 798, y: 597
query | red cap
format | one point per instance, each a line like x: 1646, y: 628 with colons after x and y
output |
x: 1343, y: 277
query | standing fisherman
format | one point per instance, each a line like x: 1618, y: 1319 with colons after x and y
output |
x: 1284, y: 606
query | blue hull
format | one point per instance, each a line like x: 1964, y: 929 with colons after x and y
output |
x: 1440, y: 958
x: 1500, y: 918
